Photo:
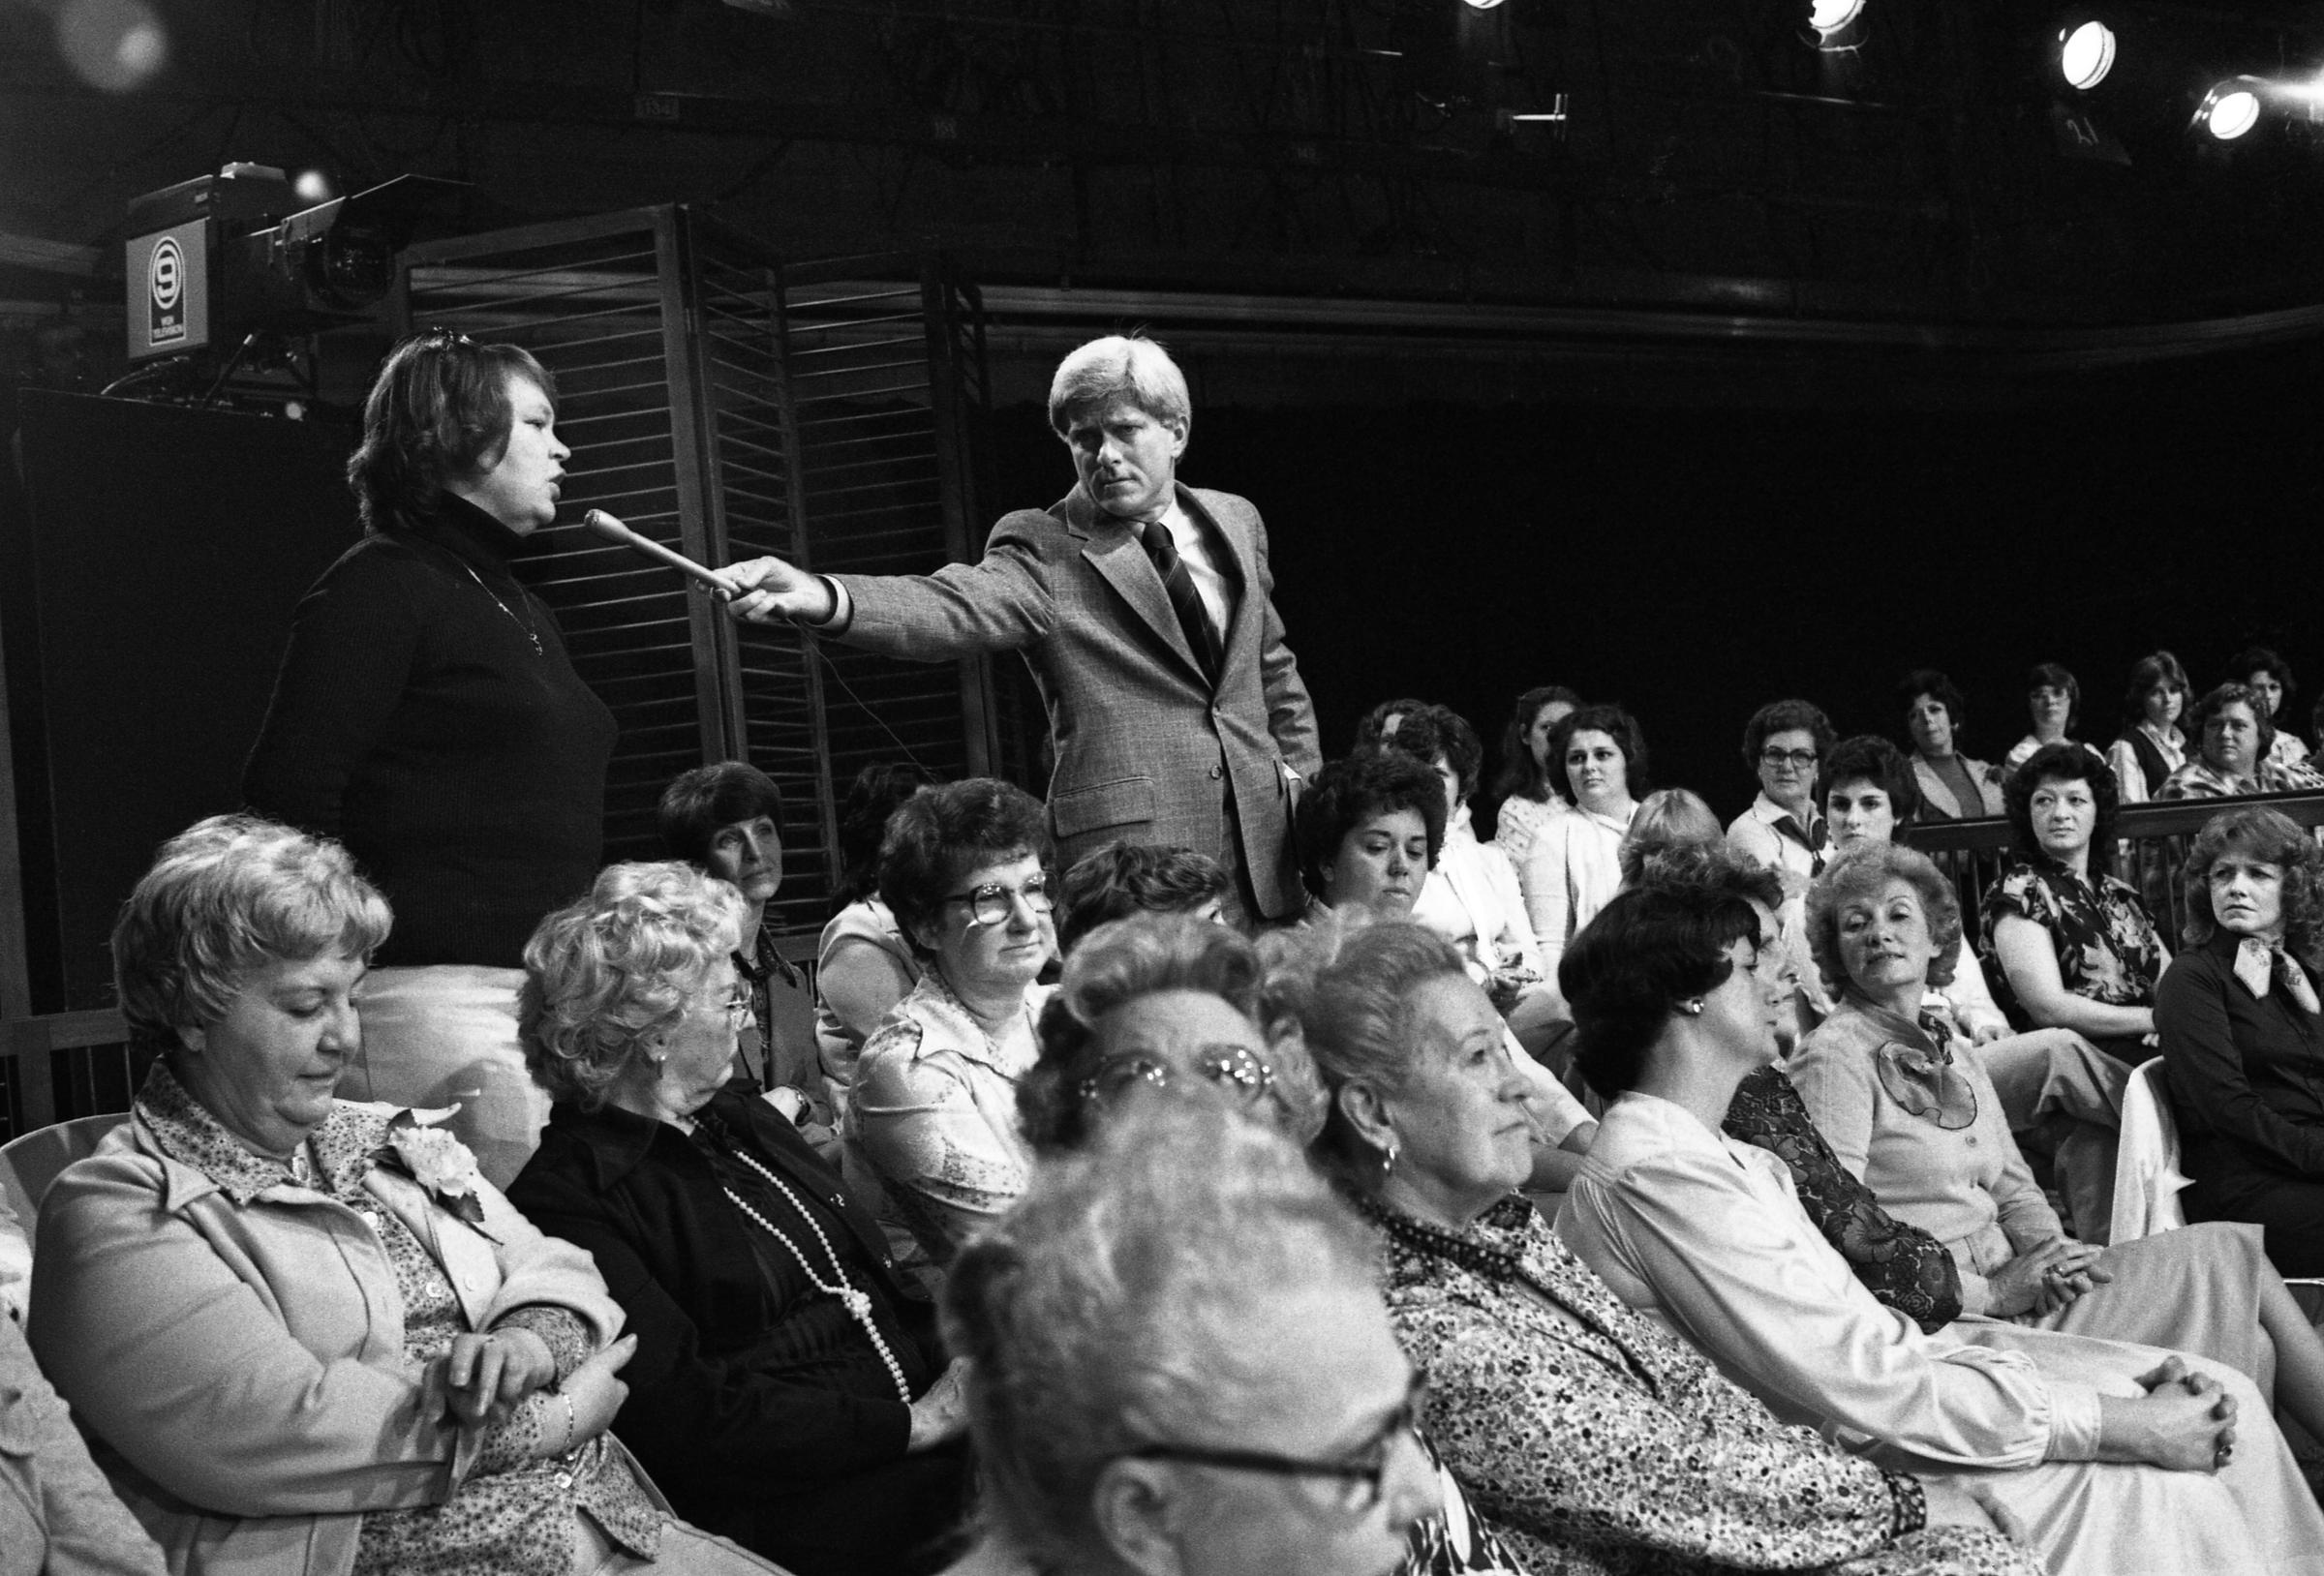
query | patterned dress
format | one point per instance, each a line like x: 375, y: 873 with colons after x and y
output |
x: 1598, y: 1443
x: 2106, y: 946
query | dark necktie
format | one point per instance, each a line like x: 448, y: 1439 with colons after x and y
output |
x: 1194, y: 618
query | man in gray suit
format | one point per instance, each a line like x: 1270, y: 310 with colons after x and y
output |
x: 1144, y: 610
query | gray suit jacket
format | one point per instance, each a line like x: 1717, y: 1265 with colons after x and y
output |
x: 1147, y: 751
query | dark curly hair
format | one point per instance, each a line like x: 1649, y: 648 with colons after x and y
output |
x: 1869, y: 758
x: 1653, y: 946
x: 941, y: 834
x: 2199, y: 715
x: 1521, y: 776
x: 1786, y: 716
x: 1347, y: 793
x: 1123, y: 879
x: 439, y: 409
x: 2273, y: 837
x: 1938, y: 688
x: 2063, y: 762
x: 1436, y: 731
x: 2253, y: 659
x: 1616, y: 724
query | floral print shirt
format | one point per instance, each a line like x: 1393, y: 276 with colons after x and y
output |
x: 513, y: 1514
x: 1598, y: 1442
x: 2106, y: 946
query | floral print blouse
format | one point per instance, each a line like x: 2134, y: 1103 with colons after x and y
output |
x: 2106, y: 945
x: 1598, y: 1442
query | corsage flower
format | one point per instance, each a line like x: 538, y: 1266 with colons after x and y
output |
x: 437, y: 1162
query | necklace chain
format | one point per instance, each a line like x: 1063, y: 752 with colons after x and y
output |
x: 855, y: 1302
x: 532, y: 634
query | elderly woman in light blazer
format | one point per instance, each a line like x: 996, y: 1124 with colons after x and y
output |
x: 304, y: 1335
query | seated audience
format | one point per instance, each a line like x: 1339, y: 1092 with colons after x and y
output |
x: 2269, y: 677
x: 304, y: 1334
x: 1169, y: 1002
x: 863, y: 965
x: 2054, y: 705
x: 58, y: 1516
x: 788, y: 1386
x: 1952, y: 786
x: 2238, y: 1016
x: 1592, y: 1438
x: 1369, y: 829
x: 2071, y: 946
x: 1784, y: 831
x: 1138, y: 878
x: 1911, y: 1109
x: 2151, y: 746
x: 1471, y: 896
x: 1598, y: 758
x: 1522, y: 791
x: 1179, y: 1364
x: 1667, y: 818
x: 932, y: 1131
x: 726, y: 820
x: 1704, y: 1235
x: 2232, y: 740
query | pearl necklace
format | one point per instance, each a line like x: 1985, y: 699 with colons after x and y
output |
x: 855, y: 1302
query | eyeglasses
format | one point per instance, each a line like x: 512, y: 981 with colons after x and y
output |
x: 993, y: 902
x: 1801, y: 758
x: 1240, y: 1071
x: 739, y: 1011
x: 1362, y: 1475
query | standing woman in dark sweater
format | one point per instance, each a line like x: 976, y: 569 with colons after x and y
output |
x: 428, y: 718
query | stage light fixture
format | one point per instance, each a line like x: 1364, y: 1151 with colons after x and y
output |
x: 1830, y: 17
x: 1481, y: 5
x: 2230, y: 109
x: 117, y: 46
x: 2086, y: 54
x: 313, y: 186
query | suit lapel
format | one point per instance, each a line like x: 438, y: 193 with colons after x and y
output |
x: 1113, y: 552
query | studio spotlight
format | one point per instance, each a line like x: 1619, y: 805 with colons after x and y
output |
x: 2086, y: 54
x: 1831, y: 18
x: 2230, y: 109
x: 1482, y: 5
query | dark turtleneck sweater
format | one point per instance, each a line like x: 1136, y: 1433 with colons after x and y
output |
x: 415, y: 722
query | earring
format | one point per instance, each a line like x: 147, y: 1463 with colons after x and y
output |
x: 1388, y: 1159
x: 1693, y: 1009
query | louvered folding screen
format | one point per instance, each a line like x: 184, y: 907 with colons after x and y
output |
x: 714, y: 417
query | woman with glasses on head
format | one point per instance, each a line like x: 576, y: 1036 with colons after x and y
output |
x: 787, y: 1388
x: 428, y: 718
x: 1593, y: 1438
x: 932, y: 1129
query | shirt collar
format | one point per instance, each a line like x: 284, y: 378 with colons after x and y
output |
x: 185, y: 1130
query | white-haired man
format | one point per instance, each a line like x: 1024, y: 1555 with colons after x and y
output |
x: 1145, y: 612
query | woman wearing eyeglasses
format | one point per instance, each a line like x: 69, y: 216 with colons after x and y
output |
x: 932, y: 1130
x: 787, y: 1389
x: 1783, y: 830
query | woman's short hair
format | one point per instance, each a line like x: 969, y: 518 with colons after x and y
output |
x: 1786, y: 716
x: 1350, y: 982
x: 1867, y: 757
x: 1115, y: 1307
x: 936, y: 837
x: 439, y: 410
x: 1936, y: 686
x: 2253, y: 659
x: 877, y: 789
x: 609, y: 976
x: 2052, y: 676
x: 1616, y: 724
x: 1123, y: 879
x: 2260, y: 832
x: 1117, y: 964
x: 1436, y: 732
x: 2062, y: 762
x: 1666, y: 818
x: 1862, y: 874
x: 222, y: 899
x: 1521, y: 776
x: 1653, y: 946
x: 1116, y: 370
x: 1372, y: 726
x: 699, y: 804
x: 2155, y: 668
x: 2199, y: 715
x: 1347, y: 793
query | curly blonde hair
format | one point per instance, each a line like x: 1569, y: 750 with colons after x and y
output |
x: 609, y: 976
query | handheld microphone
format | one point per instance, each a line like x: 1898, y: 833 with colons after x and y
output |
x: 614, y: 530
